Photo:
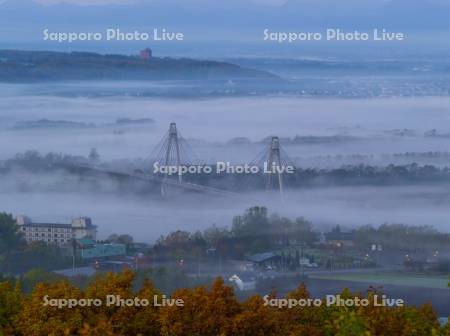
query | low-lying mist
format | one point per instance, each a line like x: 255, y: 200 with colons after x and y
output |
x: 366, y: 126
x: 146, y: 218
x: 371, y: 131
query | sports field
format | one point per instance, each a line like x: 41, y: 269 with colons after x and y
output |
x: 419, y: 280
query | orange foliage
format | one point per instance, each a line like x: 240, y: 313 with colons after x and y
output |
x: 207, y: 311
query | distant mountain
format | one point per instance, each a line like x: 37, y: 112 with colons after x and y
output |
x: 217, y: 15
x: 26, y: 66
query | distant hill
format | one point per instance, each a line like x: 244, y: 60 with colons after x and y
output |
x: 30, y: 66
x: 46, y: 123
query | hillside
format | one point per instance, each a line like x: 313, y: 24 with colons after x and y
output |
x: 31, y: 66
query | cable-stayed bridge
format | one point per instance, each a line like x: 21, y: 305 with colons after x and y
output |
x: 175, y: 152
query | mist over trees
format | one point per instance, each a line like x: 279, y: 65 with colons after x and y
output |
x: 258, y: 231
x: 402, y: 236
x: 254, y: 231
x: 347, y: 175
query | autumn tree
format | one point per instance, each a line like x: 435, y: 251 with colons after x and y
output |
x: 205, y: 312
x: 36, y: 318
x: 10, y: 305
x: 139, y: 320
x: 255, y: 319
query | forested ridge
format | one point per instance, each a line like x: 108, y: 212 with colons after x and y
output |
x: 30, y: 66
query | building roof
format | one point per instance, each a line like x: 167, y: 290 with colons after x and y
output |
x: 59, y: 225
x: 260, y: 257
x: 53, y: 225
x: 85, y: 242
x: 115, y: 262
x: 339, y: 235
x: 103, y: 250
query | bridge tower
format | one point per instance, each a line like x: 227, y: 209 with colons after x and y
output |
x: 274, y: 163
x: 173, y: 142
x: 173, y: 151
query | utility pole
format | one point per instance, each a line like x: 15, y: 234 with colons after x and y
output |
x: 74, y: 247
x: 301, y: 261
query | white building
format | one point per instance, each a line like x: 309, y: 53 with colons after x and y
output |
x: 82, y: 228
x: 54, y: 233
x: 244, y: 281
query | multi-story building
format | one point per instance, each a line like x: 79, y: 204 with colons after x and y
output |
x: 54, y: 233
x: 145, y: 54
x: 82, y: 228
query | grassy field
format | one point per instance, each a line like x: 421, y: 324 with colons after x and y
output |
x: 400, y: 279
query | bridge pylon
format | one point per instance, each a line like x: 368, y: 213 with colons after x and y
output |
x: 274, y: 165
x: 173, y: 151
x: 173, y: 142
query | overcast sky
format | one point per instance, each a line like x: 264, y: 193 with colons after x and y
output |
x: 261, y: 2
x: 209, y: 2
x: 223, y: 21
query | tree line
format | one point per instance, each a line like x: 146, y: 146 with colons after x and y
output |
x: 16, y: 256
x: 252, y: 232
x: 207, y: 311
x: 346, y: 175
